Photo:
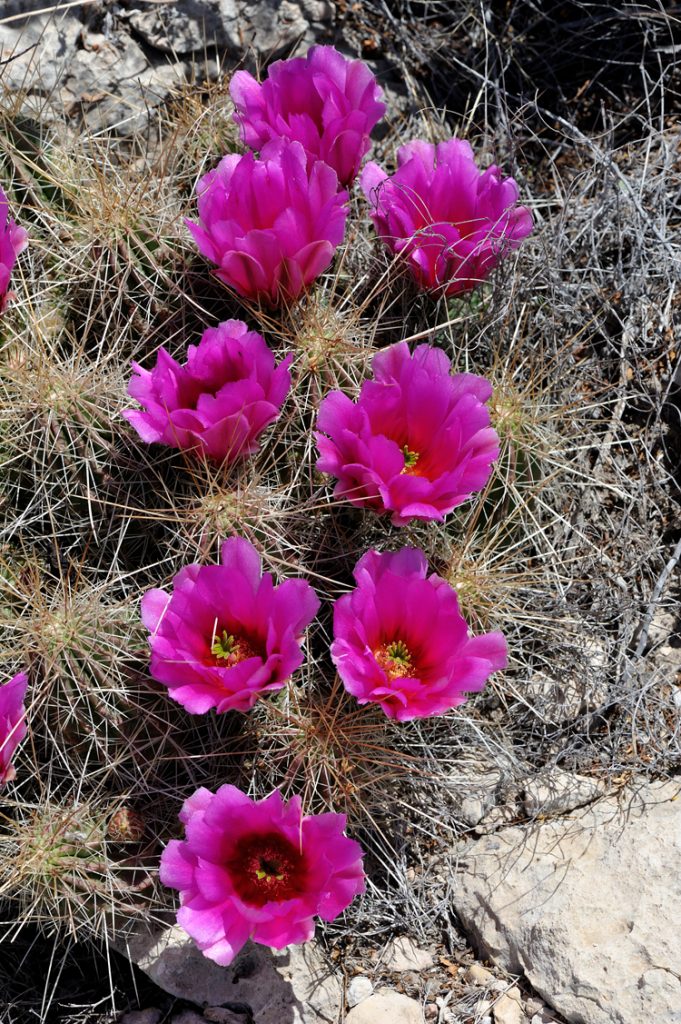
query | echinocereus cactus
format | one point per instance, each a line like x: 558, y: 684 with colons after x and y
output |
x: 258, y: 869
x: 400, y: 640
x: 416, y: 443
x: 449, y: 221
x: 217, y: 403
x: 227, y: 635
x: 66, y: 864
x: 271, y: 225
x: 323, y: 100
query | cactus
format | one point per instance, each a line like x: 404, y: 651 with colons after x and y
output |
x: 67, y: 865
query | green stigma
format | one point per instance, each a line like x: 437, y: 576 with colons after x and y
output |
x: 224, y: 646
x: 410, y: 458
x: 399, y: 653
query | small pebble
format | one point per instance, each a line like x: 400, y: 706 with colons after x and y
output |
x: 188, y: 1017
x: 221, y: 1015
x: 150, y: 1016
x: 508, y: 1008
x: 534, y: 1005
x: 478, y: 975
x: 359, y: 988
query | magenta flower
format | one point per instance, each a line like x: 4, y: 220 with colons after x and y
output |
x: 400, y: 640
x: 217, y: 403
x: 258, y: 869
x: 13, y: 240
x: 327, y: 103
x: 449, y: 221
x: 226, y: 635
x: 416, y: 443
x: 271, y: 225
x: 12, y: 723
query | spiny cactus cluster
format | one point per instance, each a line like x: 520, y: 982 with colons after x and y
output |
x: 93, y: 516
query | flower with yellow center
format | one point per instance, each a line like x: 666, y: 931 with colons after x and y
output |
x: 395, y: 660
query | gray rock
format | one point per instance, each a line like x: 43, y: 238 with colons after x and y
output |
x: 534, y: 1006
x: 664, y: 624
x: 149, y: 1016
x: 497, y: 818
x: 474, y: 793
x: 270, y: 26
x: 262, y: 26
x: 386, y: 1007
x: 403, y: 954
x: 360, y: 988
x: 294, y: 986
x: 103, y: 78
x: 186, y: 26
x: 220, y: 1015
x: 586, y: 907
x: 114, y: 84
x: 188, y: 1017
x: 38, y: 50
x: 578, y: 689
x: 556, y: 792
x: 555, y: 701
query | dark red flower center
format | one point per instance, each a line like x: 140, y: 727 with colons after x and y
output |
x: 266, y: 868
x: 395, y: 659
x: 230, y: 648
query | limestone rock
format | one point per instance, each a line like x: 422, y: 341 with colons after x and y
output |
x: 188, y: 1017
x: 404, y: 955
x: 360, y: 988
x: 263, y: 26
x: 497, y: 818
x: 38, y: 49
x: 508, y: 1008
x: 220, y: 1015
x: 386, y: 1007
x: 577, y: 689
x: 474, y: 793
x: 586, y: 907
x: 114, y: 84
x: 554, y: 701
x: 294, y: 985
x: 186, y: 26
x: 478, y: 975
x: 102, y: 77
x: 149, y: 1016
x: 556, y: 792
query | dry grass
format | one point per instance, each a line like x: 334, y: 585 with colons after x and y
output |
x: 563, y: 551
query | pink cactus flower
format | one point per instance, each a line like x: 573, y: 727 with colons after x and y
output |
x: 416, y: 443
x: 258, y: 869
x: 271, y: 225
x: 216, y: 404
x: 323, y: 100
x: 12, y: 723
x: 400, y: 640
x: 226, y: 635
x: 449, y: 221
x: 13, y: 240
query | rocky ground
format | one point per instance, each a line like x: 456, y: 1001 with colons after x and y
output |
x: 561, y: 890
